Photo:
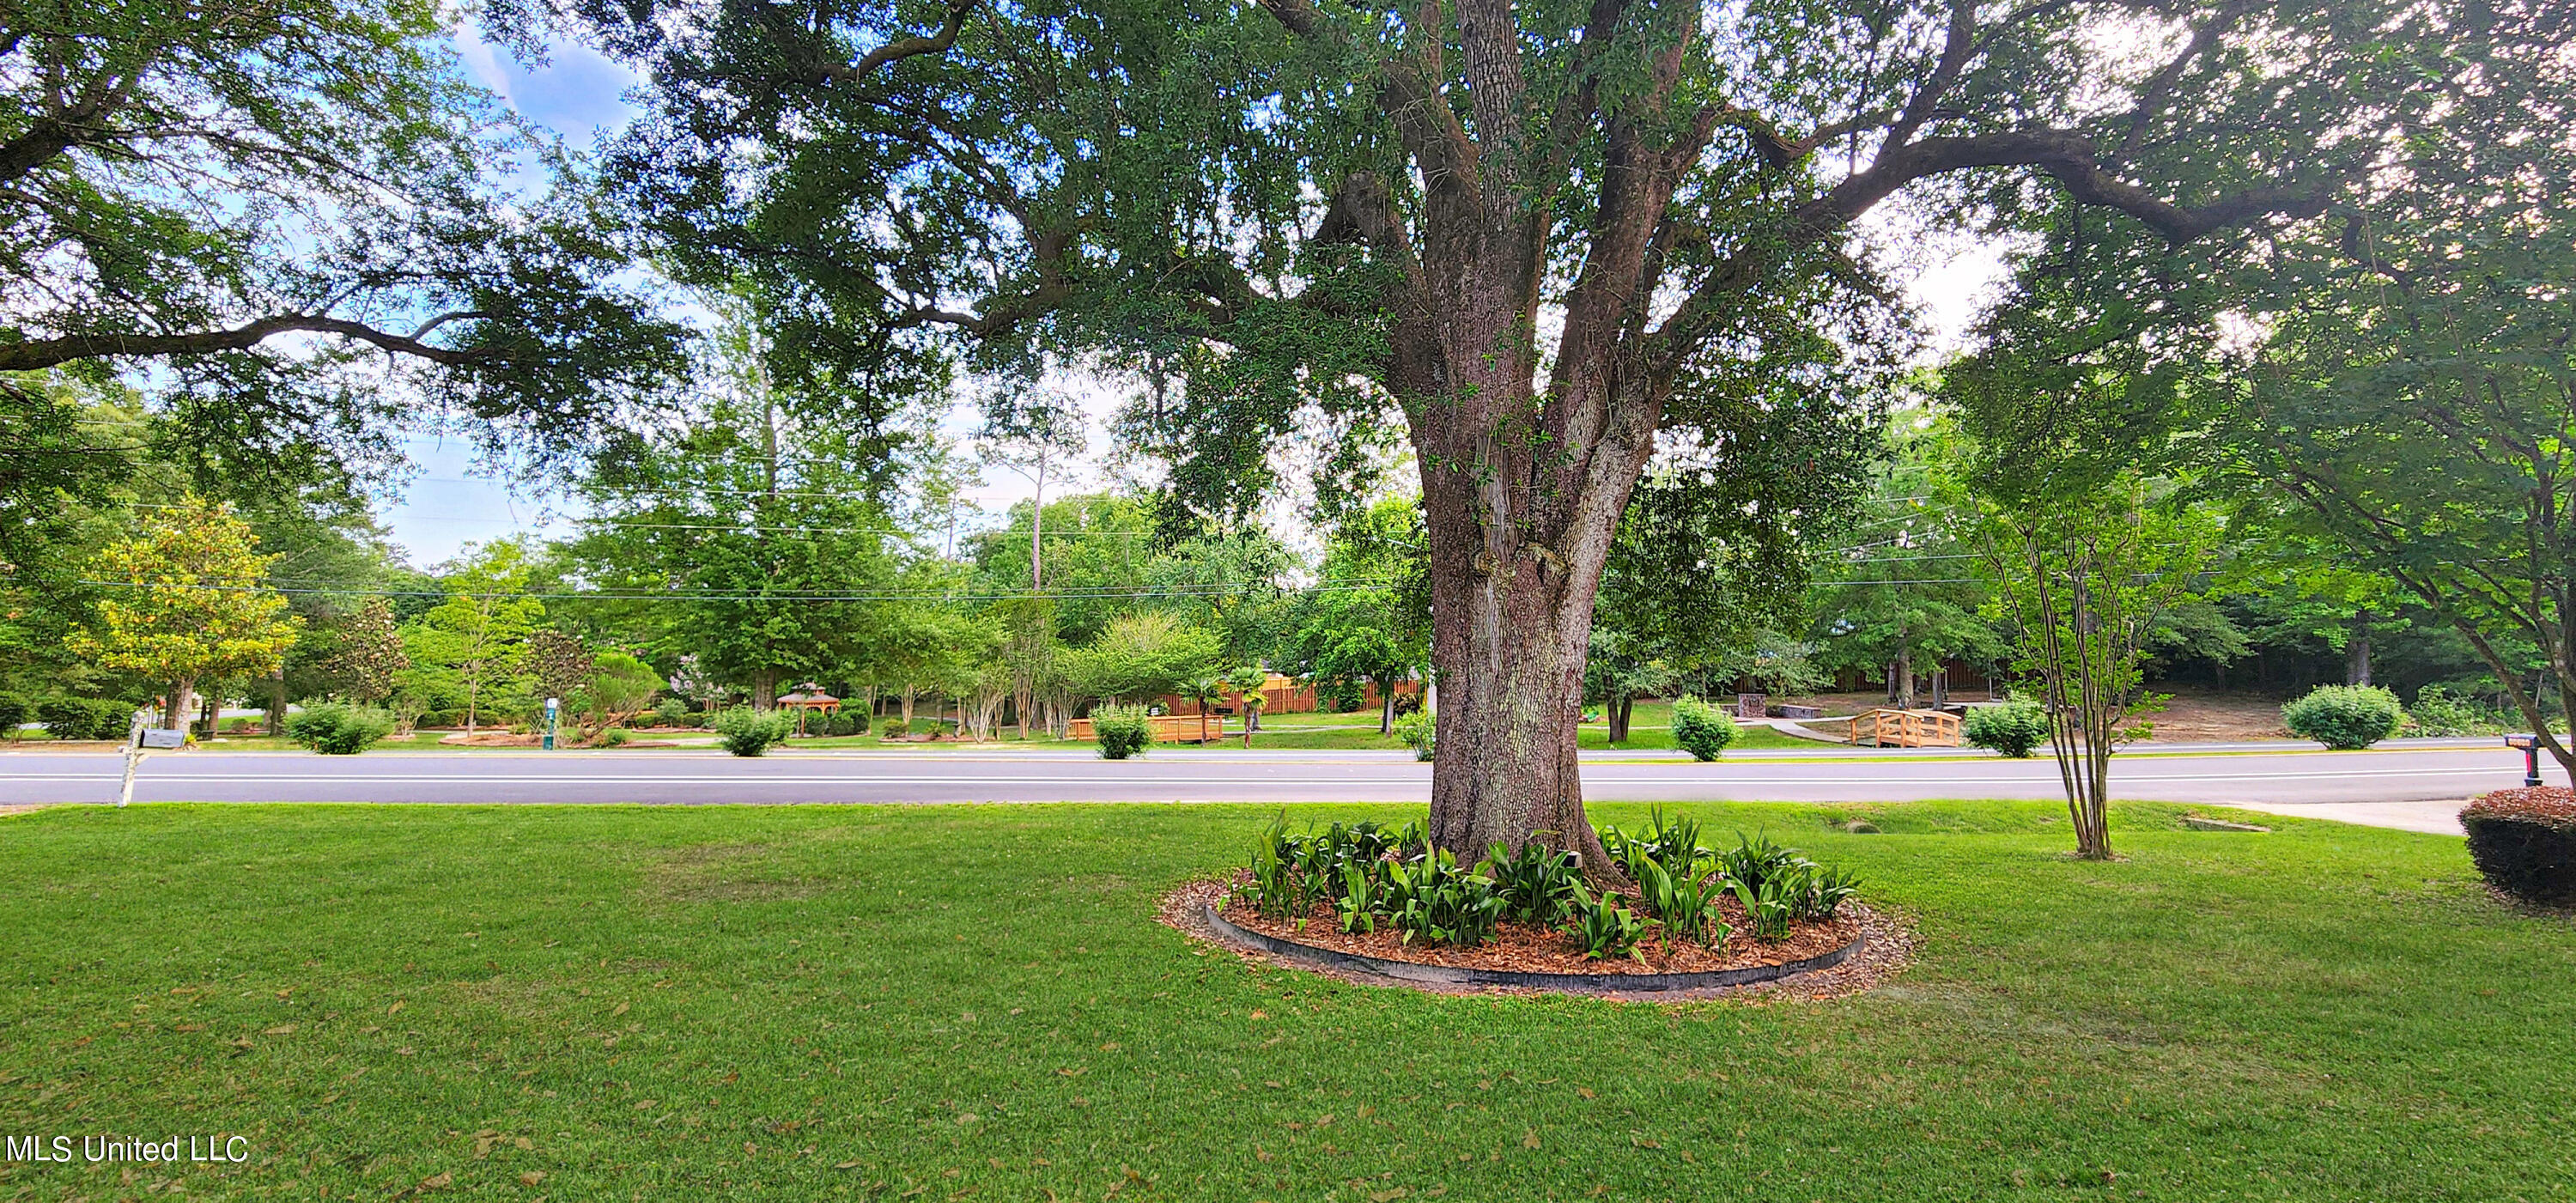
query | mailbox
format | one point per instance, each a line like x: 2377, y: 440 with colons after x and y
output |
x: 2529, y: 746
x: 165, y: 737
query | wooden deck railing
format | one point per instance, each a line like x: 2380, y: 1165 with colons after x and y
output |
x: 1891, y: 728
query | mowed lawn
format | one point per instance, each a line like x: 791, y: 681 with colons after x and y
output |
x: 976, y: 1003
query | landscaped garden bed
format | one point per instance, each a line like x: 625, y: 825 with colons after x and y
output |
x: 1670, y: 913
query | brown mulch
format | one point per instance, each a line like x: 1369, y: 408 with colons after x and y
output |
x: 1889, y: 948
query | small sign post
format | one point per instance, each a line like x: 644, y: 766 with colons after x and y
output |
x: 133, y: 758
x: 2530, y: 746
x: 552, y: 706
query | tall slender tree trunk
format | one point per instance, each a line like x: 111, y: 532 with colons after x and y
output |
x: 2356, y: 669
x: 907, y: 706
x: 1386, y: 708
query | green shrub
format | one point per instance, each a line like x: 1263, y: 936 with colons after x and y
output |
x: 1769, y: 906
x: 1419, y: 731
x: 334, y: 729
x: 1123, y: 731
x: 749, y: 732
x: 85, y: 718
x: 1687, y: 905
x: 2014, y: 728
x: 1538, y: 885
x: 614, y: 737
x: 1700, y: 729
x: 13, y: 715
x: 2524, y: 842
x: 2344, y: 717
x: 1605, y: 926
x: 894, y: 727
x: 672, y: 712
x: 2438, y: 711
x: 1431, y: 899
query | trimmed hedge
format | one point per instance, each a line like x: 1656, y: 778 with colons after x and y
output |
x: 2345, y: 718
x: 2524, y: 842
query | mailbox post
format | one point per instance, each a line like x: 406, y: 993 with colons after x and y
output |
x: 552, y: 705
x: 2530, y: 746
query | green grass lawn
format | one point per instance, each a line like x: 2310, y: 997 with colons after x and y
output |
x: 975, y: 1002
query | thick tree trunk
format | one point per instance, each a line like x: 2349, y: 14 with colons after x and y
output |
x: 2356, y: 668
x: 183, y: 697
x: 1619, y: 710
x: 764, y: 689
x: 1902, y: 678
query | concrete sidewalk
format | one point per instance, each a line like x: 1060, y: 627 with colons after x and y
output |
x: 2437, y: 818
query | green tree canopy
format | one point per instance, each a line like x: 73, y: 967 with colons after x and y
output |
x: 183, y: 604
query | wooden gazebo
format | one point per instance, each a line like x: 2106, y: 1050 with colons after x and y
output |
x: 808, y: 696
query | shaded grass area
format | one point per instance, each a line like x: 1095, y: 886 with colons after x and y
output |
x: 975, y: 1002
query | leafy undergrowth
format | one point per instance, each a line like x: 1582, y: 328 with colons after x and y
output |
x: 946, y: 1002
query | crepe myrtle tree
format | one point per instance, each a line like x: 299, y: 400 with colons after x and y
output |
x: 1553, y: 241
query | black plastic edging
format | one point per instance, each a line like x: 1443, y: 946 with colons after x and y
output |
x: 1585, y: 983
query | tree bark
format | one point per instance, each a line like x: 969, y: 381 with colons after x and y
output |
x: 1618, y: 710
x: 2356, y: 669
x: 764, y: 689
x: 1902, y: 677
x: 183, y: 694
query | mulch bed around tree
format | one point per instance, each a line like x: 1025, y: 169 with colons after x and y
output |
x: 1888, y: 948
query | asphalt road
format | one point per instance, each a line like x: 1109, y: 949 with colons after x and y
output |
x: 2265, y: 779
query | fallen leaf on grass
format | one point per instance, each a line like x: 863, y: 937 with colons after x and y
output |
x: 846, y: 1165
x: 435, y: 1181
x: 646, y: 1105
x: 1529, y: 1139
x: 280, y: 1030
x: 398, y: 1005
x: 1585, y: 1091
x: 532, y: 1177
x: 620, y: 1009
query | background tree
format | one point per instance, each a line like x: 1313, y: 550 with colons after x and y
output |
x: 756, y: 536
x: 185, y: 605
x: 1368, y: 620
x: 366, y: 654
x: 477, y: 636
x: 557, y: 662
x: 1141, y: 656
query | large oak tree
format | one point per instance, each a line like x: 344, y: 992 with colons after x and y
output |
x: 1557, y: 240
